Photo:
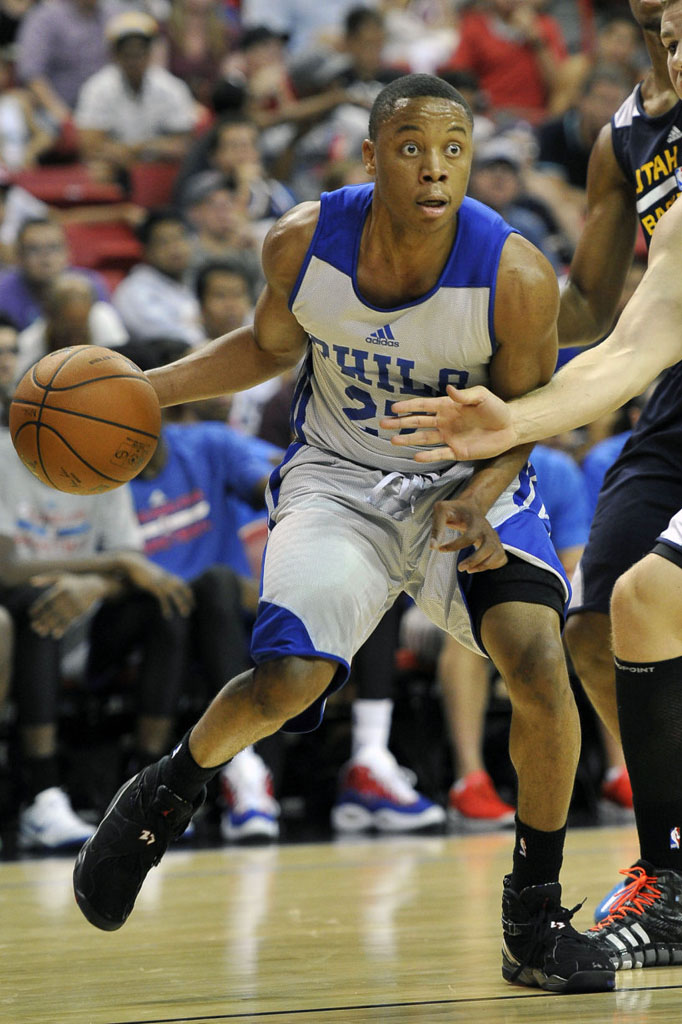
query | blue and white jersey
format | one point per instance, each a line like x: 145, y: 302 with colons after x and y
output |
x: 364, y: 357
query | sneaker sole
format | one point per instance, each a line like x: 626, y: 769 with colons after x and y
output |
x: 351, y: 818
x: 581, y: 981
x: 654, y: 955
x: 386, y: 820
x: 254, y: 830
x: 464, y: 823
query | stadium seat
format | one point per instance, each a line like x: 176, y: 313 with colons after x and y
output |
x: 104, y: 246
x: 151, y: 184
x: 66, y: 185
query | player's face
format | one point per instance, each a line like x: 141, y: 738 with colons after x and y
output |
x: 421, y: 161
x: 671, y: 37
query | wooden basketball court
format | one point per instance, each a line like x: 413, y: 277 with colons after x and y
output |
x: 397, y: 931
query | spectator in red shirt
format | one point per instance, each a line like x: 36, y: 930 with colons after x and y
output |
x: 514, y: 51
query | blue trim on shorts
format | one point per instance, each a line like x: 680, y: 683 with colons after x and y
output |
x: 278, y: 633
x: 526, y: 534
x: 275, y: 481
x: 303, y: 392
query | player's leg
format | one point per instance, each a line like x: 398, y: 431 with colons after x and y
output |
x: 643, y: 926
x: 588, y: 639
x: 524, y: 642
x: 630, y: 513
x: 309, y: 625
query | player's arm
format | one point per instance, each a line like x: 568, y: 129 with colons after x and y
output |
x: 604, y: 251
x: 274, y: 342
x: 646, y: 340
x: 526, y: 303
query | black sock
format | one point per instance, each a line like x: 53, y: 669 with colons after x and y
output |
x: 649, y: 698
x: 182, y: 774
x: 41, y: 773
x: 537, y: 856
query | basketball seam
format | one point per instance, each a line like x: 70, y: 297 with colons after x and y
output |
x: 73, y: 451
x: 72, y: 412
x: 91, y: 380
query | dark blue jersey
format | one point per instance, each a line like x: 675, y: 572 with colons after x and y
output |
x: 649, y: 152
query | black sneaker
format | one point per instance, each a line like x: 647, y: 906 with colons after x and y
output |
x: 643, y: 927
x: 542, y: 949
x: 132, y: 837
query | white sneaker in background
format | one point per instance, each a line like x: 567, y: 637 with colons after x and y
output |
x: 251, y: 811
x: 50, y: 823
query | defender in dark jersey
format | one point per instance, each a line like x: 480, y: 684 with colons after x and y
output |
x: 642, y: 919
x: 633, y: 174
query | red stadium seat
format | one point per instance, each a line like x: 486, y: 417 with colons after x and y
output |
x: 104, y: 246
x: 152, y: 184
x: 66, y: 185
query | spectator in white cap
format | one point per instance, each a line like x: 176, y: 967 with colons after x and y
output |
x: 133, y: 110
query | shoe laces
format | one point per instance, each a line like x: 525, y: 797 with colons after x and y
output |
x: 636, y: 897
x: 547, y: 915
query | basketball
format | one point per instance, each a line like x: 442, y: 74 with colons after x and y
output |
x: 84, y: 419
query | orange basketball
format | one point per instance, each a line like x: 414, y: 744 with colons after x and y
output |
x: 85, y: 419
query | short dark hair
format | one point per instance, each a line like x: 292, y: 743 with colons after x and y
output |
x: 411, y: 87
x: 360, y: 16
x: 220, y: 267
x: 158, y: 215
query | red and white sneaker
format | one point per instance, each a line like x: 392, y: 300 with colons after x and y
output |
x: 474, y: 804
x: 376, y: 793
x: 251, y: 811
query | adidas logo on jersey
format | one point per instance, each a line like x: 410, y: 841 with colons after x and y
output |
x: 674, y: 134
x: 384, y: 336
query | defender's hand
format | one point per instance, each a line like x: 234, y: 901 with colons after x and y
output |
x: 467, y: 425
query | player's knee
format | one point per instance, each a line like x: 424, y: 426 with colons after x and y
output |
x: 631, y: 600
x: 536, y: 674
x: 587, y: 639
x: 284, y: 688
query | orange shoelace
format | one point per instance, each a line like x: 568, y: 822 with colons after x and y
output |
x: 634, y: 899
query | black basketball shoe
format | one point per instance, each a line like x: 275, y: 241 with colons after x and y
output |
x: 542, y: 949
x: 643, y: 927
x: 132, y: 837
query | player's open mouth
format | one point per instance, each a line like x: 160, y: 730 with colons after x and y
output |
x: 433, y: 206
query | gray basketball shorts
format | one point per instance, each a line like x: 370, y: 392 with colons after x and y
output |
x: 346, y: 540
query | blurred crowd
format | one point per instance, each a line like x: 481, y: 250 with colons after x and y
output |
x: 145, y: 151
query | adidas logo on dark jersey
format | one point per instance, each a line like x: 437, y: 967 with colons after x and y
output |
x: 674, y: 134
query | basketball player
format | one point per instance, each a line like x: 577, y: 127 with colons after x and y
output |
x: 388, y: 289
x: 642, y: 922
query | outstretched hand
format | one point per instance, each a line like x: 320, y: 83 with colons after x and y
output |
x: 469, y: 424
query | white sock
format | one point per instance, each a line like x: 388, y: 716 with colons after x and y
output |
x: 371, y: 724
